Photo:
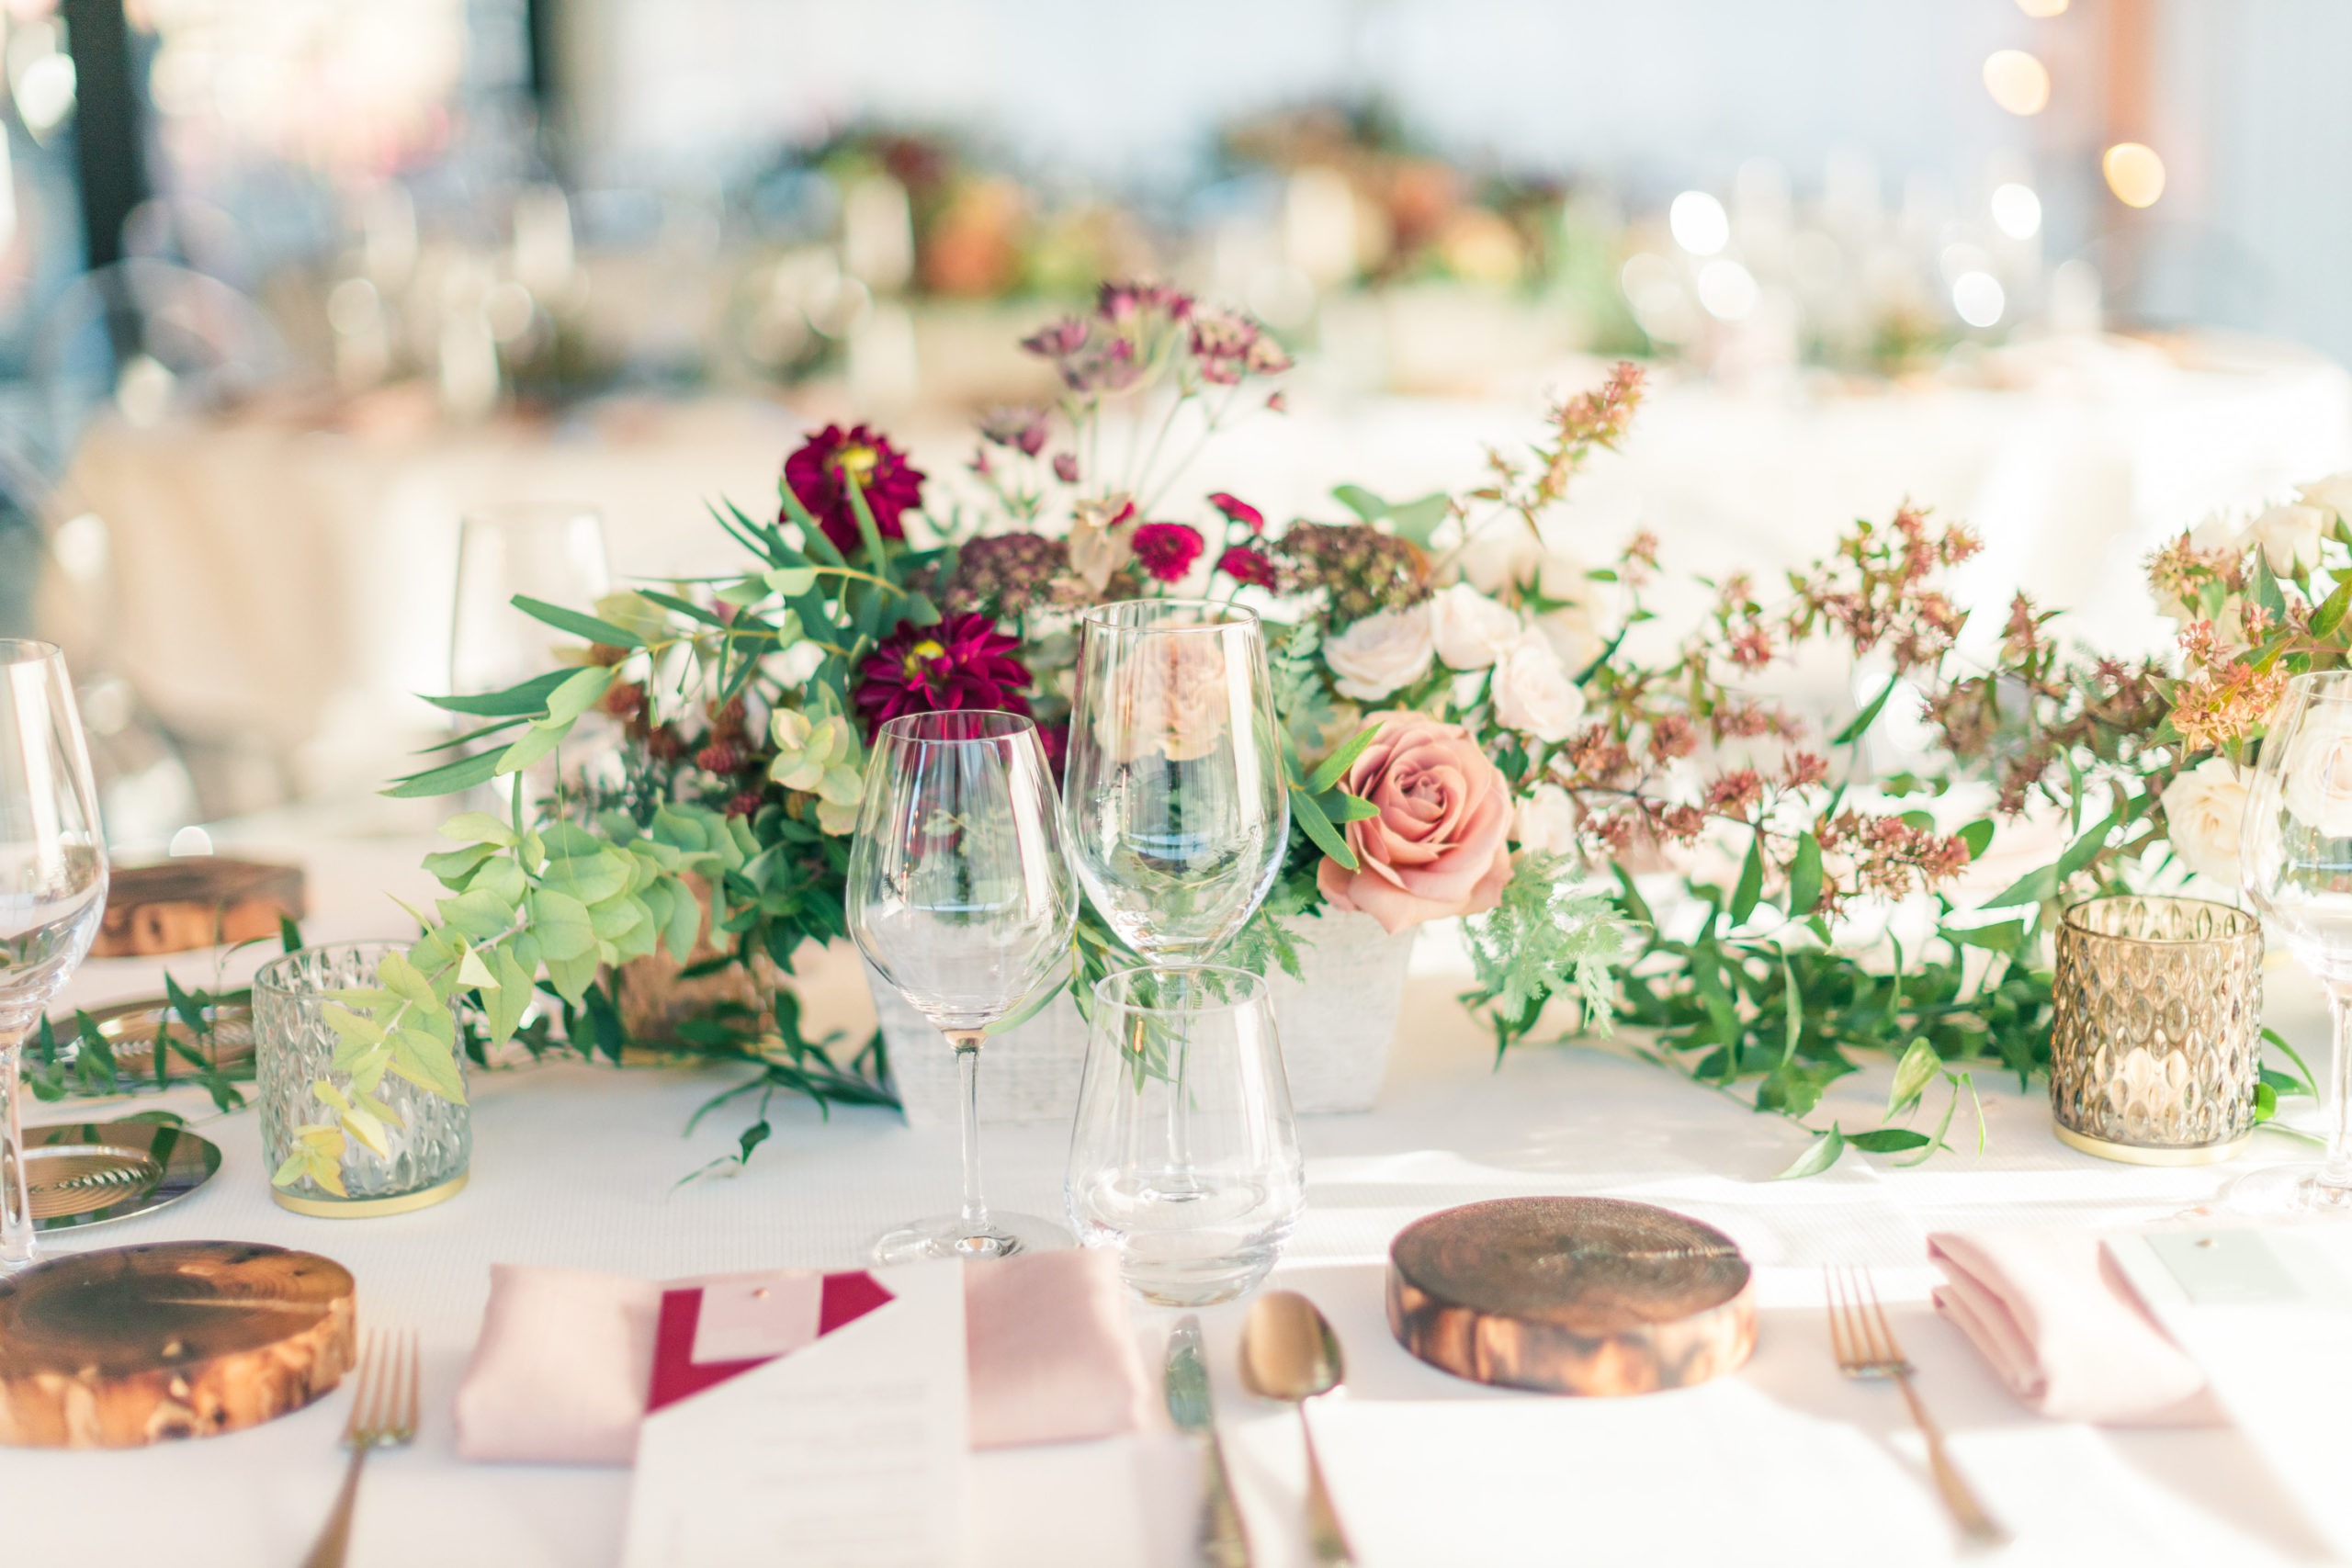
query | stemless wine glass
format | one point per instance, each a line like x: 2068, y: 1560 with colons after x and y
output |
x: 2295, y: 860
x: 1197, y: 1204
x: 52, y: 886
x: 1174, y: 786
x: 960, y: 896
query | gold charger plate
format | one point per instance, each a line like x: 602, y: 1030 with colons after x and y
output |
x: 88, y: 1173
x: 130, y: 1030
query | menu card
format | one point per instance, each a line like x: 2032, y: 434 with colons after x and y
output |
x: 819, y: 1421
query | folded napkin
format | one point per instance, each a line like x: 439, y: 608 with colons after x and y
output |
x: 564, y: 1365
x: 2064, y: 1330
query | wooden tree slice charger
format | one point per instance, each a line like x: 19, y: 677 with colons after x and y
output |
x: 176, y: 1339
x: 1571, y: 1295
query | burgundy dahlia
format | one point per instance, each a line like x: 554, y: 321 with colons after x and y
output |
x: 962, y: 662
x: 1246, y: 566
x: 1166, y: 550
x: 822, y: 472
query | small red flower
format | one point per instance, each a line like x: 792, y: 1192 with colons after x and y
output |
x: 721, y: 757
x: 1066, y: 468
x: 962, y: 662
x: 821, y: 473
x: 1245, y: 564
x: 1166, y: 550
x: 1239, y: 511
x: 746, y: 803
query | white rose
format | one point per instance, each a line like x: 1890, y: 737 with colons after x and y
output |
x: 1575, y: 634
x: 1381, y: 653
x: 2332, y: 494
x: 1470, y: 630
x: 1546, y: 822
x: 2204, y: 809
x: 2317, y: 770
x: 2289, y: 536
x: 1535, y: 695
x: 1494, y: 560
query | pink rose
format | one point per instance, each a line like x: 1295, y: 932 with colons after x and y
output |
x: 1440, y: 845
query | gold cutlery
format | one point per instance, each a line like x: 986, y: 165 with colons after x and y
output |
x: 1224, y: 1541
x: 1863, y: 1342
x: 1288, y: 1352
x: 383, y: 1416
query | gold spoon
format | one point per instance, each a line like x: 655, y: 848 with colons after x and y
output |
x: 1288, y: 1352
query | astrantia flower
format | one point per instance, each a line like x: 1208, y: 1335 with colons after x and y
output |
x: 1005, y: 574
x: 1245, y: 564
x: 1066, y: 468
x: 1168, y: 550
x: 1023, y: 429
x: 1239, y: 511
x: 820, y: 474
x: 962, y: 662
x: 1058, y: 341
x: 1124, y: 301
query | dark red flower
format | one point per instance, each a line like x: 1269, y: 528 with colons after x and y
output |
x: 1239, y: 511
x: 962, y: 662
x: 1246, y: 566
x: 1065, y: 467
x: 1166, y: 550
x: 746, y: 803
x: 820, y: 474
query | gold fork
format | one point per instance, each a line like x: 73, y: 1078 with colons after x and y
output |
x: 383, y: 1416
x: 1863, y: 1342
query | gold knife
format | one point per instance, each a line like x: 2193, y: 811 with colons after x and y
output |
x: 1224, y: 1539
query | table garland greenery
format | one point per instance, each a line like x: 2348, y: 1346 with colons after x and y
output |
x: 1757, y: 856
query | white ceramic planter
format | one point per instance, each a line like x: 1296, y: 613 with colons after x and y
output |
x: 1336, y: 1028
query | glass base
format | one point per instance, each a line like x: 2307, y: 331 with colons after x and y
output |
x: 947, y: 1236
x: 2287, y: 1189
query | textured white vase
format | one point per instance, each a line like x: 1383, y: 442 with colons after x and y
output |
x: 1336, y: 1027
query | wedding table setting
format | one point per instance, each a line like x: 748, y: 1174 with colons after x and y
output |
x: 1448, y: 1047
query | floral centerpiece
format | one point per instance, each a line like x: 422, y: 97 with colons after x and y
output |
x: 1474, y: 721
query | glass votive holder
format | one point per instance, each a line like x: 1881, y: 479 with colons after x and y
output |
x: 426, y: 1152
x: 2155, y: 1038
x: 1185, y: 1156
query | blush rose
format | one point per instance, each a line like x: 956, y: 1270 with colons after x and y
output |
x: 1440, y: 844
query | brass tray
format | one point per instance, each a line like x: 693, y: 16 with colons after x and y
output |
x: 130, y: 1030
x: 89, y: 1173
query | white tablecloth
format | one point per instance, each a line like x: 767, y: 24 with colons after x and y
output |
x: 1783, y: 1462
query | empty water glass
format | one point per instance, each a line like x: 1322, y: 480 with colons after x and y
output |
x: 1185, y: 1156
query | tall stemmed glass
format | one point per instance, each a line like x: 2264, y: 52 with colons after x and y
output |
x: 2295, y: 860
x: 959, y: 896
x: 52, y: 886
x: 1178, y: 816
x: 1174, y: 787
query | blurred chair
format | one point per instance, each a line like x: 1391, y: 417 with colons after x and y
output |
x: 154, y: 340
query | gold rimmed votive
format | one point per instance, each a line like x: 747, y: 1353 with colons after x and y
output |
x: 2155, y: 1038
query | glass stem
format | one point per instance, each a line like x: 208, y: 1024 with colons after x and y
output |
x: 2336, y: 1172
x: 968, y: 1064
x: 15, y: 1193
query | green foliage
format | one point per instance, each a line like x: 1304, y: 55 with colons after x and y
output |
x: 1549, y: 936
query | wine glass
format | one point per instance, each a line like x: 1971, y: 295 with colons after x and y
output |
x: 551, y: 550
x: 52, y: 886
x: 1174, y: 788
x: 1197, y: 1204
x: 959, y: 896
x: 2295, y: 860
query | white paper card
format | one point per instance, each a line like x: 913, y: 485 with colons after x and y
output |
x: 848, y: 1453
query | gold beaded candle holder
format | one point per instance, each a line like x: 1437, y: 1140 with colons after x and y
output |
x: 2156, y: 1035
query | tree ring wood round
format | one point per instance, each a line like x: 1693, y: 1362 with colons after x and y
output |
x: 1571, y: 1295
x: 176, y: 1339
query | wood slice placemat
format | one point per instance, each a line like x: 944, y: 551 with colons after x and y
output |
x: 177, y: 906
x: 1571, y: 1295
x: 176, y: 1339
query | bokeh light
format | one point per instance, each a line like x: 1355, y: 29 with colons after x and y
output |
x: 2134, y: 173
x: 2018, y: 82
x: 1979, y: 299
x: 2043, y: 10
x: 2017, y: 212
x: 1727, y: 289
x: 1699, y: 223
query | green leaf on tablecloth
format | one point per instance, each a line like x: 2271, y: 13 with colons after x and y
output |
x: 1913, y: 1074
x: 1888, y: 1140
x: 1818, y: 1156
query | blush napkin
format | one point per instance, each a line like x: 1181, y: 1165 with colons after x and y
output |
x: 2063, y: 1329
x: 561, y: 1372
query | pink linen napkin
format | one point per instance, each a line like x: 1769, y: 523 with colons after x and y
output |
x: 561, y: 1372
x: 2064, y: 1330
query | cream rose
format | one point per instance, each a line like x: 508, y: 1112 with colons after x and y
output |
x: 1381, y: 653
x: 1175, y: 702
x: 2332, y: 494
x: 1101, y: 536
x: 1546, y: 822
x: 1439, y: 845
x: 1471, y: 631
x: 2289, y: 537
x: 1535, y: 695
x: 2317, y: 773
x: 2204, y: 812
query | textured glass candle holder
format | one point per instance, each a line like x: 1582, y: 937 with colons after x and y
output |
x: 294, y: 1048
x: 2155, y: 1038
